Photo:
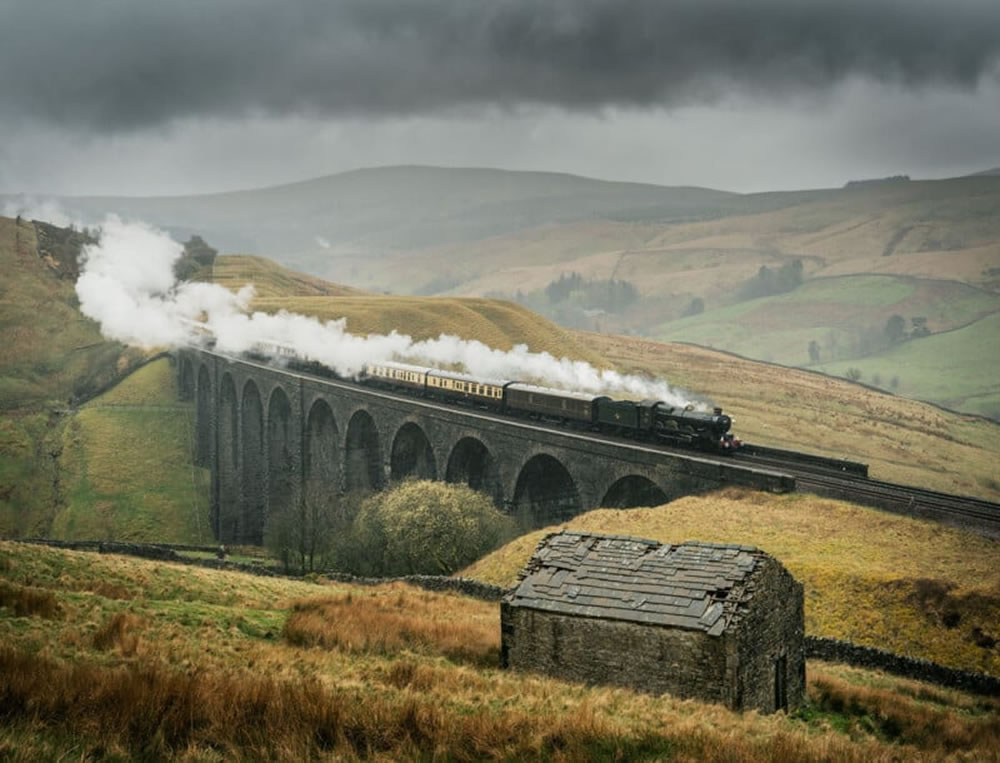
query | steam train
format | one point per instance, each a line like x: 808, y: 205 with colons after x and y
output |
x: 650, y: 420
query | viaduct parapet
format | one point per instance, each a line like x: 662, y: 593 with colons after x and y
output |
x: 276, y: 439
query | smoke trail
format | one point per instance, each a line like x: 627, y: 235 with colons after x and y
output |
x: 128, y: 286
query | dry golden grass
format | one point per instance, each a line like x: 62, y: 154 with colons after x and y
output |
x: 497, y: 324
x: 120, y: 633
x: 929, y: 723
x: 149, y: 711
x: 270, y: 279
x: 874, y: 578
x: 25, y: 601
x: 394, y: 618
x: 210, y: 679
x: 903, y: 440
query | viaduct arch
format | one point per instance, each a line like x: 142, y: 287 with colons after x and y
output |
x: 277, y: 441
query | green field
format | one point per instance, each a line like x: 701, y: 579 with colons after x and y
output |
x: 957, y: 369
x: 846, y: 317
x: 50, y: 356
x: 126, y: 466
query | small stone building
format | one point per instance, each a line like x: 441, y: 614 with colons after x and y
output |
x: 719, y: 623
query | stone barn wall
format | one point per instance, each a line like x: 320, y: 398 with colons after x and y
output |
x: 640, y: 657
x: 769, y: 641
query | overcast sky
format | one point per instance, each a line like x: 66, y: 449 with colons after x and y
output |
x: 128, y: 97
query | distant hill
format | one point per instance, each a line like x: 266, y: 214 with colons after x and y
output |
x: 371, y: 210
x: 994, y: 171
x: 432, y: 230
x: 648, y: 260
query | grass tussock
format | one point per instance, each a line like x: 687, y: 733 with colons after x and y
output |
x: 147, y: 711
x: 394, y: 619
x: 927, y: 723
x: 119, y: 633
x: 26, y: 601
x: 152, y: 712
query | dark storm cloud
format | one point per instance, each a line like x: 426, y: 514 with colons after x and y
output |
x: 122, y: 64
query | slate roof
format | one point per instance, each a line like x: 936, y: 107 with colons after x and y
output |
x: 691, y: 585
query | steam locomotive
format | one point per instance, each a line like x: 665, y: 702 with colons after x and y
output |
x: 649, y: 420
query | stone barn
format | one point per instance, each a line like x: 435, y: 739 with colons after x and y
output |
x: 719, y: 623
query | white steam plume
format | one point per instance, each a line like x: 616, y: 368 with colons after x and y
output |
x: 127, y: 284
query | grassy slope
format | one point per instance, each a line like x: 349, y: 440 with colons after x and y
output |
x: 778, y: 329
x: 49, y: 354
x: 903, y: 440
x: 126, y: 466
x: 129, y: 658
x: 957, y: 369
x: 271, y: 279
x: 498, y: 324
x: 954, y: 368
x: 870, y: 577
x: 934, y: 229
x: 49, y: 351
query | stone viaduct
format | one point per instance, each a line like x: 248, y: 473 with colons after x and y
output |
x: 276, y: 439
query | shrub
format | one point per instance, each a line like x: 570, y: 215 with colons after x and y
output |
x: 426, y: 528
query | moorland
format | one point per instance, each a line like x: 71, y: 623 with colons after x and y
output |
x: 849, y: 281
x: 110, y: 657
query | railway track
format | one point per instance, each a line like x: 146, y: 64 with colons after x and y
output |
x: 806, y: 463
x: 848, y: 480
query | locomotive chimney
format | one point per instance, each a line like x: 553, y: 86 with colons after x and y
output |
x: 718, y: 411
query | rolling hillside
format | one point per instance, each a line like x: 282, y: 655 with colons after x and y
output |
x: 870, y: 577
x: 956, y: 368
x: 903, y: 440
x: 105, y: 657
x: 845, y: 315
x: 372, y: 211
x: 841, y: 326
x: 89, y: 451
x: 56, y: 465
x: 476, y: 228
